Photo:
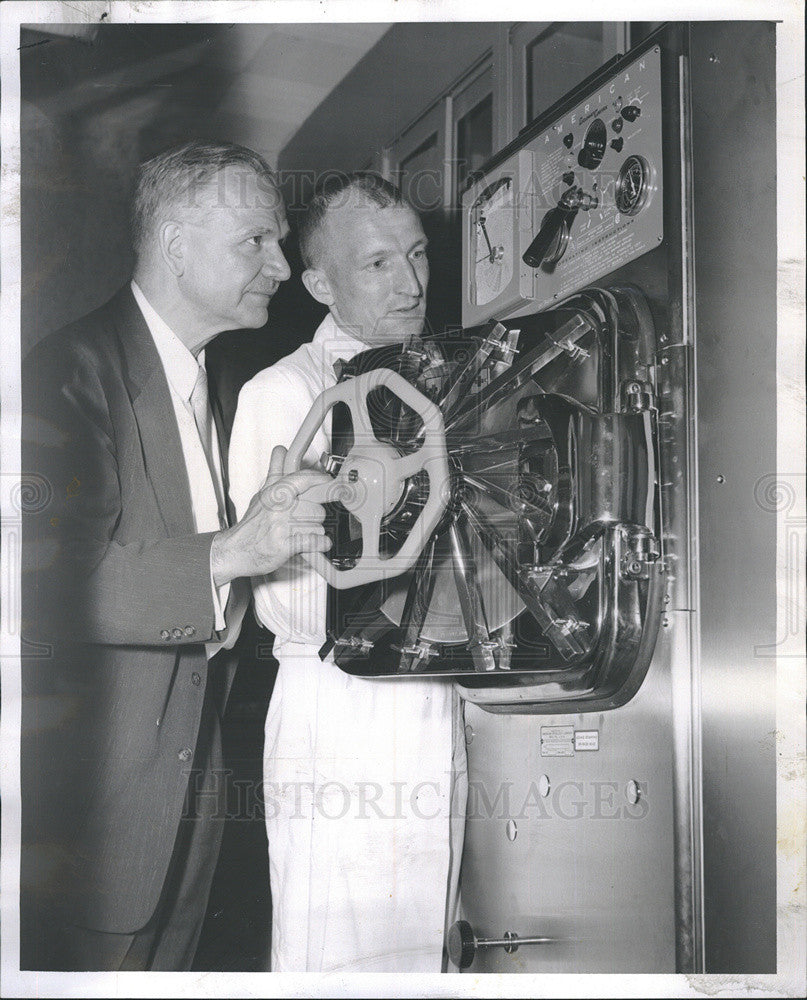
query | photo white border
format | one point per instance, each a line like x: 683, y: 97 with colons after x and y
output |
x: 791, y: 791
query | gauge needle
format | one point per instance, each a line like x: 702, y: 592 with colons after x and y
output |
x: 482, y: 226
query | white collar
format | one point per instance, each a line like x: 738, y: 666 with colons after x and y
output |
x: 331, y: 343
x: 181, y: 367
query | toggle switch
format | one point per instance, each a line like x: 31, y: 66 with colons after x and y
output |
x: 568, y: 139
x: 463, y: 943
x: 617, y: 124
x: 631, y: 112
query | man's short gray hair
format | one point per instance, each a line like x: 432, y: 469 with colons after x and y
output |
x: 169, y: 182
x: 331, y: 191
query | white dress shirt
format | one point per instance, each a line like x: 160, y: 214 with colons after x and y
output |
x: 207, y: 497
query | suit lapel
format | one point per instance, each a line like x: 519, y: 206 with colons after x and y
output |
x: 154, y: 411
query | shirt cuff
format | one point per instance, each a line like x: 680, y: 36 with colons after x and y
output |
x: 220, y: 597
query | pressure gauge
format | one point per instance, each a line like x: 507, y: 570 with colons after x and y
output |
x: 492, y: 240
x: 632, y: 185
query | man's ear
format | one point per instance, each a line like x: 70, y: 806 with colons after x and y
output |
x: 172, y: 247
x: 316, y: 281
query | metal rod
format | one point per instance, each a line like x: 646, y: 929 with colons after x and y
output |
x: 479, y: 641
x: 465, y: 376
x: 416, y: 607
x: 521, y: 371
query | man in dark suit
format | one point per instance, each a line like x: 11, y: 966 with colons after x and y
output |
x: 134, y: 574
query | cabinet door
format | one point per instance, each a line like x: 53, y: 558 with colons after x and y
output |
x: 550, y: 58
x: 473, y: 127
x: 420, y: 163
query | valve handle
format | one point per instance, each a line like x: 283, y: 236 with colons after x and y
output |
x: 373, y: 474
x: 555, y: 221
x: 463, y: 943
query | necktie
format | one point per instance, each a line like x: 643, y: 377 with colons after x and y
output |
x: 200, y: 404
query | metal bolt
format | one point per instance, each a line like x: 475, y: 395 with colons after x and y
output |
x: 721, y: 479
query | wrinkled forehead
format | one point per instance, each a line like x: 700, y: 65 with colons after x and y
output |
x: 239, y: 188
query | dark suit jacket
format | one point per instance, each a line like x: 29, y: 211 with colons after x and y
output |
x: 117, y: 588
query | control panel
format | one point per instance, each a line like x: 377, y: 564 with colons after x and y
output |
x: 561, y: 208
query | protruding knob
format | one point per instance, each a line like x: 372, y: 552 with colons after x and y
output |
x: 631, y: 112
x: 462, y: 943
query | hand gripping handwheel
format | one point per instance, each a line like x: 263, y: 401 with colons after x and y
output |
x: 373, y: 475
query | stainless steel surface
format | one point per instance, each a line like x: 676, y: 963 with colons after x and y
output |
x: 587, y: 868
x: 734, y: 147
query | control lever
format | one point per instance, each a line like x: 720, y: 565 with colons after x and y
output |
x: 555, y: 228
x: 462, y: 943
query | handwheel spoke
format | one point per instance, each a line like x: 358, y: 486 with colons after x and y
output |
x: 362, y: 424
x: 371, y: 534
x: 409, y: 465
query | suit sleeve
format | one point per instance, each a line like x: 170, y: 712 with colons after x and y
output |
x: 271, y: 408
x: 87, y: 575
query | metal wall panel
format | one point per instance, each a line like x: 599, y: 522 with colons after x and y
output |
x: 582, y: 864
x: 734, y: 174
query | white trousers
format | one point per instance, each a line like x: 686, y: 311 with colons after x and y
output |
x: 365, y: 787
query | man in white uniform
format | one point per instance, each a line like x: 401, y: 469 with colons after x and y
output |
x: 360, y: 774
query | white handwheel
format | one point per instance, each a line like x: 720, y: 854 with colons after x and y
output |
x: 373, y: 476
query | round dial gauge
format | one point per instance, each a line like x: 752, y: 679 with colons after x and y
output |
x: 492, y: 236
x: 632, y: 185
